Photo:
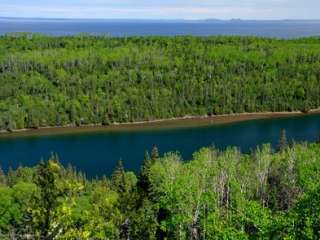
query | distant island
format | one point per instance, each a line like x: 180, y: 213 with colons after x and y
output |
x: 80, y: 80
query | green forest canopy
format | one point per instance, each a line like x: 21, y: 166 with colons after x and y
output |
x: 217, y: 195
x: 76, y: 80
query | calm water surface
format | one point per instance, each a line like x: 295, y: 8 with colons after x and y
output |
x: 280, y: 29
x: 97, y: 153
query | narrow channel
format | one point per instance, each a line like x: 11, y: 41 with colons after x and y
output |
x: 97, y: 153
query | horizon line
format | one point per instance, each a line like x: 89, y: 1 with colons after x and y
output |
x: 157, y: 19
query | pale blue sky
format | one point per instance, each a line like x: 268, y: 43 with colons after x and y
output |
x: 163, y: 9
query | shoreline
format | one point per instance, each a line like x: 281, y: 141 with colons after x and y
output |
x: 157, y: 124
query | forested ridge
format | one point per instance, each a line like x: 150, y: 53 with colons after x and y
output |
x: 266, y: 194
x: 77, y: 80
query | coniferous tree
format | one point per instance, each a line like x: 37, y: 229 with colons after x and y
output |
x: 283, y: 142
x: 46, y: 178
x: 154, y: 153
x: 3, y: 178
x: 144, y: 181
x: 118, y: 178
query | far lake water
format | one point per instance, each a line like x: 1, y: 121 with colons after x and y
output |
x: 56, y: 27
x: 97, y: 153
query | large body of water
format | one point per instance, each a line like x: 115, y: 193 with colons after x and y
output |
x: 97, y: 153
x: 279, y: 29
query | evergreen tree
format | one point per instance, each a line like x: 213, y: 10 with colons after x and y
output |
x: 143, y: 180
x: 118, y: 178
x: 154, y: 154
x: 46, y: 177
x: 124, y: 183
x: 283, y: 142
x: 3, y: 178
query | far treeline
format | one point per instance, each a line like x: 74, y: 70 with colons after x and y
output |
x: 217, y: 195
x: 77, y: 80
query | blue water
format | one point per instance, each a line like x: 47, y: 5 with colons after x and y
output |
x: 279, y: 29
x: 97, y: 153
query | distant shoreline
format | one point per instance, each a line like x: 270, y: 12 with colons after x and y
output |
x: 122, y: 28
x: 157, y: 124
x: 173, y: 20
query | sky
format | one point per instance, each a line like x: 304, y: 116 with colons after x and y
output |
x: 162, y: 9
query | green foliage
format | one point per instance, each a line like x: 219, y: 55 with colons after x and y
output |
x: 9, y: 209
x: 307, y: 216
x: 14, y: 205
x: 94, y: 215
x: 216, y: 195
x: 21, y: 174
x: 77, y: 80
x: 46, y: 178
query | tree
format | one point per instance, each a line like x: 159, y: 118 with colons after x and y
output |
x: 118, y: 178
x: 143, y: 180
x: 3, y: 178
x: 283, y: 142
x: 90, y: 214
x: 9, y: 210
x: 124, y: 183
x: 307, y: 216
x: 263, y: 162
x: 46, y: 178
x: 154, y: 154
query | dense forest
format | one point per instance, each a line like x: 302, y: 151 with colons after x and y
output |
x: 266, y: 194
x: 77, y: 80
